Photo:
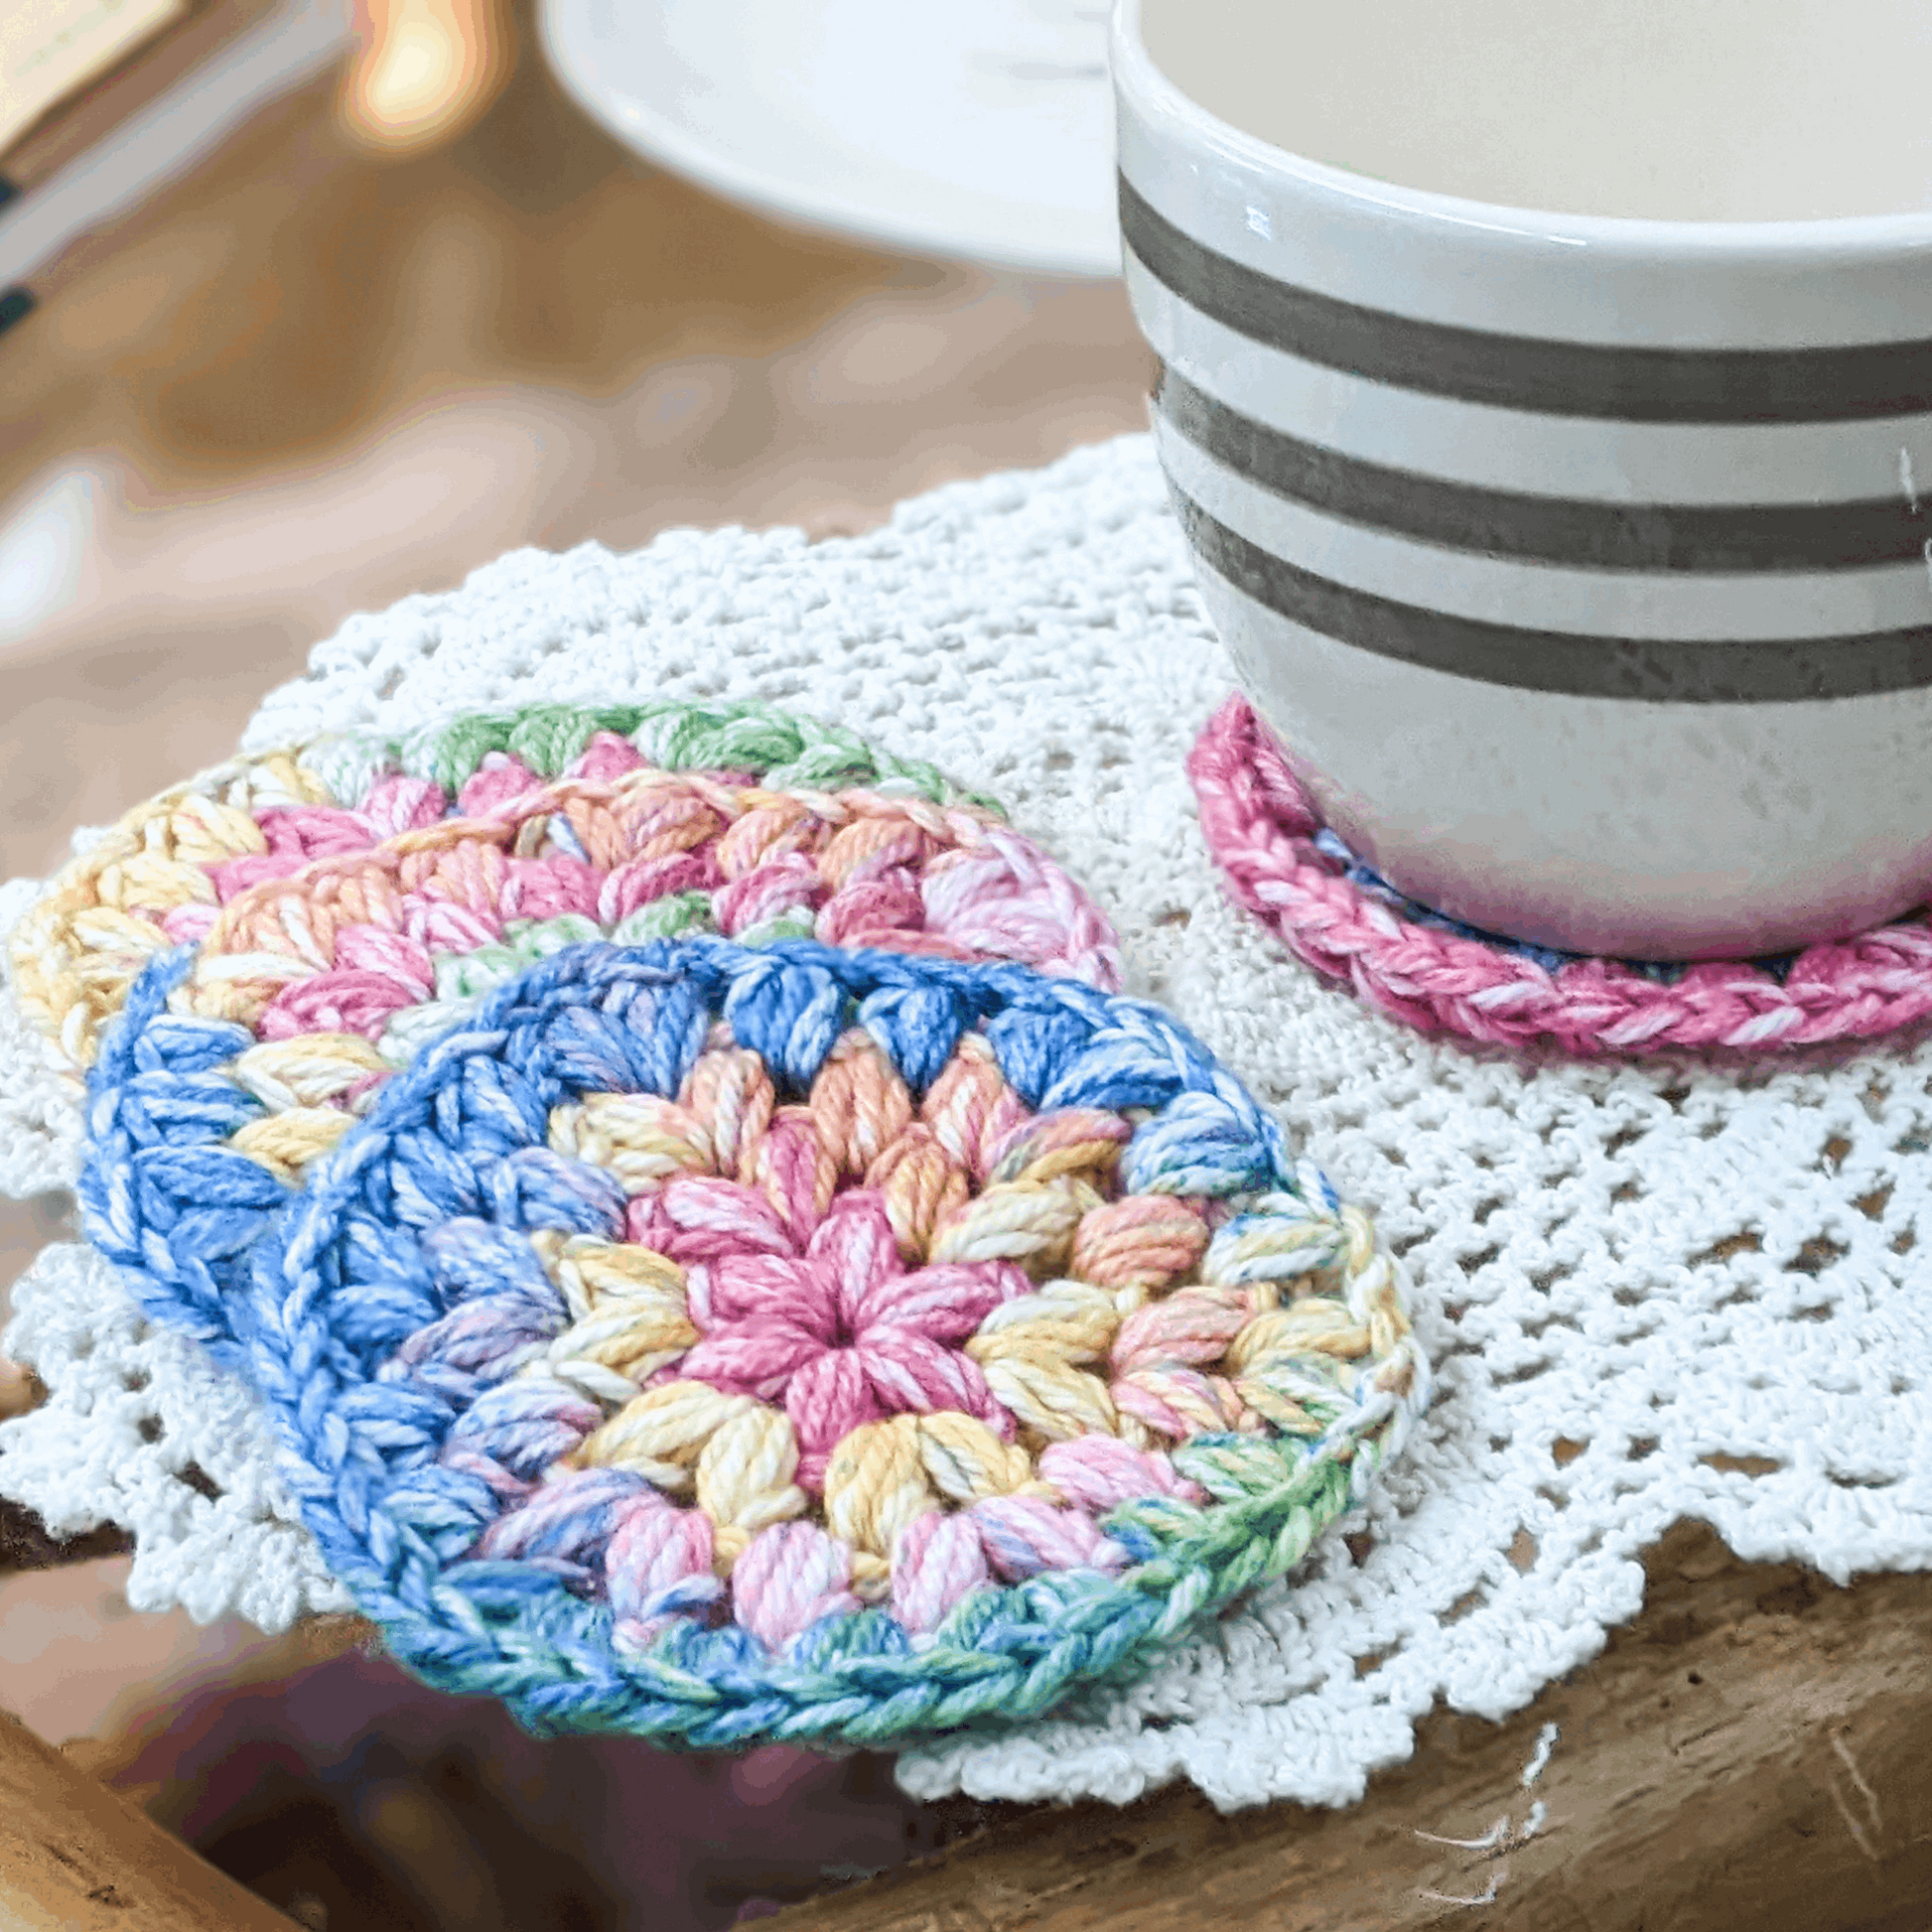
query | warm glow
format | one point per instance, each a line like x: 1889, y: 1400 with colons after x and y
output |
x: 420, y: 76
x: 427, y: 70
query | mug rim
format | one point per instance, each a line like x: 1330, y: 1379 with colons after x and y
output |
x: 1815, y: 240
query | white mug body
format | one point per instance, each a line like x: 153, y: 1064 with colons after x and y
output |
x: 1579, y: 561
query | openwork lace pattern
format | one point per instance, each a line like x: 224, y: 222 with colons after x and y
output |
x: 1651, y: 1287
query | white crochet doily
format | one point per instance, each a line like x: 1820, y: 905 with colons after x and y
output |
x: 1651, y: 1292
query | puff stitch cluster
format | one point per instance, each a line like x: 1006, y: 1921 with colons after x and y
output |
x: 172, y: 864
x: 699, y: 1291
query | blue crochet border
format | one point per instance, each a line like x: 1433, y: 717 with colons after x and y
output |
x: 308, y: 1292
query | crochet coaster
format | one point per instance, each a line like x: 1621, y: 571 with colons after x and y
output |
x: 460, y: 863
x: 721, y: 1344
x: 1335, y: 915
x: 491, y: 868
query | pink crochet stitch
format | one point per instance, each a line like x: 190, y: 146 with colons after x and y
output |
x: 341, y: 942
x: 397, y: 804
x: 1260, y: 829
x: 821, y: 1313
x: 298, y: 834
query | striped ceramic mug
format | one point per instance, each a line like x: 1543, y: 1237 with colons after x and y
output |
x: 1578, y: 560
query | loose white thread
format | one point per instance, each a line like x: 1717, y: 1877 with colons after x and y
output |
x: 1503, y: 1835
x: 1864, y: 1791
x: 1496, y: 1837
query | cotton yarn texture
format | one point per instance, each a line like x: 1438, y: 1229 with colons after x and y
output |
x: 1632, y: 1276
x: 1012, y: 1346
x: 619, y: 1390
x: 1292, y: 871
x: 364, y: 885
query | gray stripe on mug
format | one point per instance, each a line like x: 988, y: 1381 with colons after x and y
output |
x: 1554, y: 378
x: 1648, y: 669
x: 1728, y: 538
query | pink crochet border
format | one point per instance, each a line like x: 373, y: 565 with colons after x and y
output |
x: 1259, y: 825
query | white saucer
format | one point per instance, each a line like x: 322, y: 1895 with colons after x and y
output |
x: 973, y: 129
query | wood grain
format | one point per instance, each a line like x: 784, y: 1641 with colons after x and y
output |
x: 1749, y: 1752
x: 75, y: 1856
x: 1746, y: 1750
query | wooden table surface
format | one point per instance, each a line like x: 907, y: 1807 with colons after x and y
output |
x: 1747, y: 1752
x: 225, y: 386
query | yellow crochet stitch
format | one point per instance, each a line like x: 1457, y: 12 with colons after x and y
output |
x: 86, y: 937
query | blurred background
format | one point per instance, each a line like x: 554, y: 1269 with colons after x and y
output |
x: 407, y: 306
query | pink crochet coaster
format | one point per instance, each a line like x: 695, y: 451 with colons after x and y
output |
x: 1281, y: 864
